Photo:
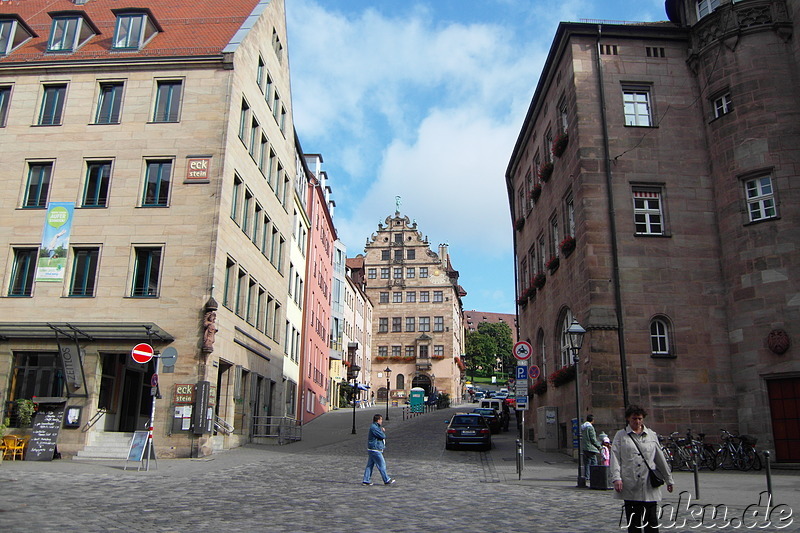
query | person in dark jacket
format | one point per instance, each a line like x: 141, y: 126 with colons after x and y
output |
x: 376, y: 442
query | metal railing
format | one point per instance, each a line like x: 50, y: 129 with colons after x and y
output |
x: 283, y: 428
x: 95, y: 418
x: 222, y: 426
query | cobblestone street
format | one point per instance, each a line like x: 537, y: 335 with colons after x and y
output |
x: 315, y: 485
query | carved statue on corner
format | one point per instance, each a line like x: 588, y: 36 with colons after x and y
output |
x: 210, y: 330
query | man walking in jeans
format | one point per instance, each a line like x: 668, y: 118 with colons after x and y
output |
x: 376, y: 442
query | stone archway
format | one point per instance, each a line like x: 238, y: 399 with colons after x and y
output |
x: 424, y: 382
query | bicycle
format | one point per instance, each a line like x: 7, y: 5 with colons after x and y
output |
x: 738, y: 451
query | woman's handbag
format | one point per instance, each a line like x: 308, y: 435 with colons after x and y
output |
x: 654, y: 477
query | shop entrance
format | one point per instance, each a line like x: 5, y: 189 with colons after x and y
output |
x: 125, y: 393
x: 423, y: 382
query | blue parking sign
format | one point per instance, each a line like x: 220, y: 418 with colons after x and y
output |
x: 522, y: 372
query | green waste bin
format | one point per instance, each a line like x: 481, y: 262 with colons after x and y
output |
x: 417, y: 399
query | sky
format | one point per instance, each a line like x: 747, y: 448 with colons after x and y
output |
x: 424, y: 99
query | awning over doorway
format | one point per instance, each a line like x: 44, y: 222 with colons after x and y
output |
x: 84, y: 330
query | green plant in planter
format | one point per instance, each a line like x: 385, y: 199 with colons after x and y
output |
x: 25, y: 410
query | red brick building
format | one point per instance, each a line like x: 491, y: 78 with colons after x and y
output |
x: 653, y: 191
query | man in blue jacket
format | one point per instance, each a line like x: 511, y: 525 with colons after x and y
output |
x: 376, y: 442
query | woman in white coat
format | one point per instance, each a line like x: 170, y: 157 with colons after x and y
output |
x: 629, y: 472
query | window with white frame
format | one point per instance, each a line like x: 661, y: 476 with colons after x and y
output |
x: 68, y: 33
x: 722, y: 105
x: 411, y: 297
x: 566, y: 352
x: 133, y: 30
x: 13, y: 34
x: 372, y: 273
x: 637, y: 106
x: 705, y: 7
x: 659, y: 337
x: 569, y: 213
x: 5, y: 99
x: 648, y: 213
x: 438, y: 350
x: 52, y: 108
x: 383, y: 325
x: 397, y: 297
x: 760, y: 197
x: 168, y: 101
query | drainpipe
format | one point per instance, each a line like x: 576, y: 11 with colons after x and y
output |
x: 612, y: 224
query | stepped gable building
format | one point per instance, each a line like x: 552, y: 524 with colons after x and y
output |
x: 148, y: 153
x: 654, y: 196
x: 417, y: 327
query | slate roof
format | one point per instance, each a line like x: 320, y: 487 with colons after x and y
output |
x: 188, y: 28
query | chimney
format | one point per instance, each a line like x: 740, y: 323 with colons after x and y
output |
x: 443, y: 254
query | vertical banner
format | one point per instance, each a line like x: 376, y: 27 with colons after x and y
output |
x: 55, y: 241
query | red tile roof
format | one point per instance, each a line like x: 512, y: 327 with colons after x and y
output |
x: 190, y: 28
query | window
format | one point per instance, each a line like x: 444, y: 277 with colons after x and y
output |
x: 609, y: 49
x: 760, y: 198
x: 237, y: 187
x: 95, y: 191
x: 705, y: 7
x: 655, y: 51
x: 383, y: 325
x: 397, y: 324
x: 636, y: 102
x: 397, y: 297
x: 5, y: 99
x: 372, y: 273
x: 13, y: 34
x: 438, y: 350
x: 385, y: 273
x: 52, y: 104
x: 438, y: 323
x: 38, y: 185
x: 410, y: 272
x: 438, y: 296
x: 227, y: 293
x: 168, y: 101
x: 410, y: 351
x: 398, y: 255
x: 244, y: 115
x: 398, y: 273
x: 647, y: 214
x: 263, y: 156
x: 84, y: 271
x: 424, y: 296
x: 133, y: 30
x: 156, y: 188
x: 569, y: 212
x: 23, y: 272
x: 109, y: 103
x: 424, y: 323
x: 68, y: 33
x: 411, y: 297
x: 423, y: 272
x: 146, y: 272
x: 423, y: 351
x: 659, y: 337
x: 563, y: 115
x: 248, y: 202
x: 385, y: 255
x: 722, y: 105
x: 410, y: 323
x: 383, y: 351
x: 554, y: 237
x: 260, y: 69
x: 411, y: 254
x: 566, y: 352
x: 396, y: 351
x: 384, y: 297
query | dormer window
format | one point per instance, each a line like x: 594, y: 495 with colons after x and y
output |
x: 69, y: 32
x: 134, y: 30
x: 13, y: 34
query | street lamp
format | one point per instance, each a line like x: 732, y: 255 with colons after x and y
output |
x: 388, y: 371
x: 574, y: 334
x: 352, y: 373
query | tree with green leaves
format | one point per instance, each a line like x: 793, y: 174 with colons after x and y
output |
x: 501, y: 334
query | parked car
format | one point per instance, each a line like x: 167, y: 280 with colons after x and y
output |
x: 500, y: 406
x: 468, y: 429
x: 492, y: 416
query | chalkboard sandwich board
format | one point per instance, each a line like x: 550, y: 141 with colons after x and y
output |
x: 46, y: 426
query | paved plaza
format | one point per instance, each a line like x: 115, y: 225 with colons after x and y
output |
x: 315, y: 485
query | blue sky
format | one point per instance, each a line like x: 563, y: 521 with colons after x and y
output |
x: 424, y: 100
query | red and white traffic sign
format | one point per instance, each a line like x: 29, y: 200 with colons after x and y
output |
x: 142, y: 352
x: 523, y: 350
x: 533, y: 372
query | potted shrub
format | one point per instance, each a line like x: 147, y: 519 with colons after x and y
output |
x: 530, y: 292
x: 560, y: 143
x: 552, y: 265
x: 567, y: 246
x: 536, y: 192
x: 539, y: 279
x: 25, y: 409
x: 562, y: 375
x: 519, y: 223
x: 522, y: 301
x: 539, y: 388
x: 545, y: 171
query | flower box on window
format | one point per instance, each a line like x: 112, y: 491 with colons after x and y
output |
x: 560, y: 144
x: 539, y: 388
x: 567, y: 246
x: 536, y: 192
x: 522, y: 301
x: 530, y: 292
x: 552, y: 265
x: 539, y: 279
x: 519, y: 223
x: 562, y: 376
x: 545, y: 171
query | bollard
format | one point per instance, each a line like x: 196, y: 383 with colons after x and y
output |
x: 769, y: 473
x: 696, y: 479
x: 520, y: 462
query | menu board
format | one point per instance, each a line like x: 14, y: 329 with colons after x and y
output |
x: 46, y: 425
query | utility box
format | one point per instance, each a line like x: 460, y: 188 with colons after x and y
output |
x: 416, y: 399
x: 547, y: 428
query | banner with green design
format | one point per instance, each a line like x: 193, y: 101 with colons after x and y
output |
x: 55, y: 241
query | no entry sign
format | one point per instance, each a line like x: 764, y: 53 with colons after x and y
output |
x: 142, y: 352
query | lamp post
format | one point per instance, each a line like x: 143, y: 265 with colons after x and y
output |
x: 574, y: 334
x: 353, y: 374
x: 388, y: 384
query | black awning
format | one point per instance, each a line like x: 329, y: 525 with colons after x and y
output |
x: 84, y: 330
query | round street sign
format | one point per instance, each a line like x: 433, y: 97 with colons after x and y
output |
x: 533, y: 372
x: 142, y: 352
x: 522, y: 350
x: 169, y: 356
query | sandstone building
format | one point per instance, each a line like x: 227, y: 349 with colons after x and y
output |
x: 653, y: 191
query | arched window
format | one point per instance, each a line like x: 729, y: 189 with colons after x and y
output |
x: 400, y: 382
x: 659, y: 337
x: 542, y: 351
x: 566, y: 353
